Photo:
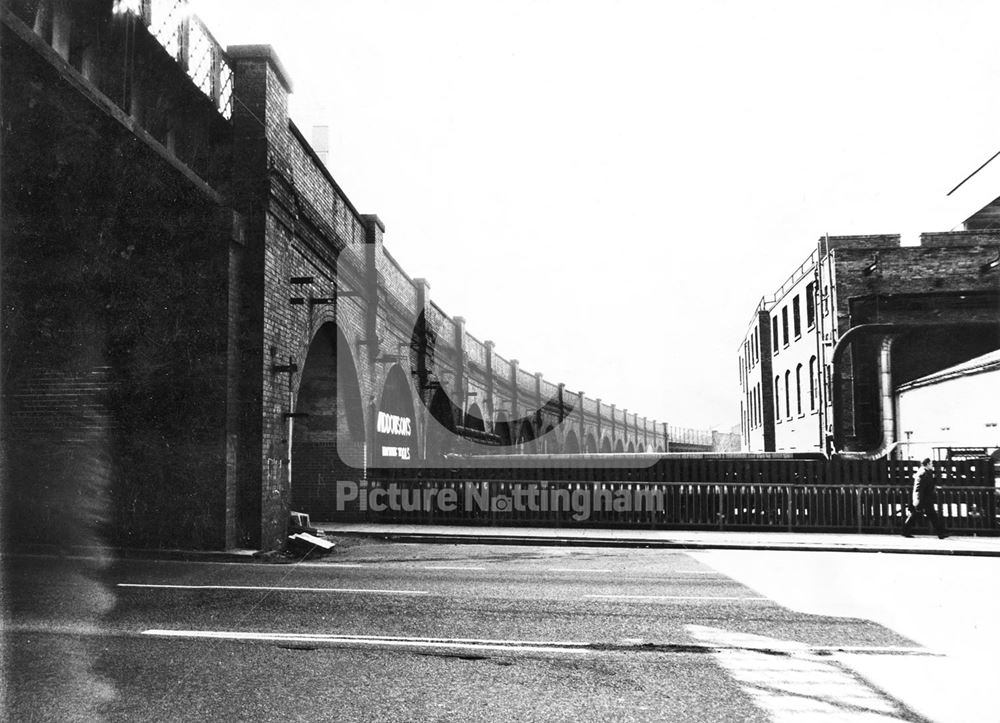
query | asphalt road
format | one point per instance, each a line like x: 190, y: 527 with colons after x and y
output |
x: 395, y: 632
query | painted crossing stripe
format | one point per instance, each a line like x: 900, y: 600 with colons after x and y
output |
x: 799, y: 685
x: 262, y: 588
x: 375, y: 640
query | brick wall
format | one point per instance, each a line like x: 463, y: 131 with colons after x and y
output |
x: 116, y: 268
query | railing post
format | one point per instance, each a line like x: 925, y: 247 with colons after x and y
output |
x: 857, y: 493
x: 721, y: 512
x: 788, y: 505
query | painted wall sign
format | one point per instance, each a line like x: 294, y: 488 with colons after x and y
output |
x: 394, y: 427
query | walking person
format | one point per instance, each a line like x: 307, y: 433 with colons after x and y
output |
x: 923, y: 501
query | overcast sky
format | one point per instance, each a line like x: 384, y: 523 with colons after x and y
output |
x: 606, y: 189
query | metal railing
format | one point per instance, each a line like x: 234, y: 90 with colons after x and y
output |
x: 687, y: 435
x: 184, y: 36
x: 652, y: 505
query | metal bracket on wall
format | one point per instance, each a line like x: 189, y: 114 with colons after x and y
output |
x: 289, y: 368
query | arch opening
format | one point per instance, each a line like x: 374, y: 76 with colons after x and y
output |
x: 502, y: 429
x: 474, y: 419
x: 441, y: 425
x: 327, y: 433
x: 525, y: 436
x: 395, y: 422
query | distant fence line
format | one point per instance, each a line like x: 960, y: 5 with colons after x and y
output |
x: 705, y: 468
x: 679, y: 492
x: 662, y: 505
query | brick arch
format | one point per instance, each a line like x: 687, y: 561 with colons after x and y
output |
x: 590, y: 445
x: 642, y: 448
x: 525, y: 436
x: 571, y: 445
x: 618, y: 447
x: 547, y: 442
x: 396, y: 400
x: 441, y: 422
x: 328, y: 439
x: 474, y: 418
x: 501, y: 428
x: 631, y: 447
x: 606, y: 447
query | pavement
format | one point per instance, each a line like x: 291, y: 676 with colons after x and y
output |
x: 956, y: 545
x: 667, y: 539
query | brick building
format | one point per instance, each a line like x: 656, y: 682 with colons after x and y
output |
x: 823, y: 356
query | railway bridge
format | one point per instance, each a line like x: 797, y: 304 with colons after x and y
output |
x: 194, y: 305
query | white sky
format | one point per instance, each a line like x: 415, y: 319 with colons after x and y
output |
x: 606, y: 189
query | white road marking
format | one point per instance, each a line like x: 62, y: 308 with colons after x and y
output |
x: 798, y: 685
x: 577, y: 569
x: 258, y: 588
x: 672, y: 597
x: 451, y: 567
x: 375, y: 640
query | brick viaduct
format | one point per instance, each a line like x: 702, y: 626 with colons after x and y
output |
x: 187, y: 289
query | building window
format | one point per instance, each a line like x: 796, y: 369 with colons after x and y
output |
x: 756, y: 399
x: 760, y: 407
x: 798, y: 389
x: 788, y: 393
x: 827, y: 382
x: 812, y: 384
x: 774, y: 333
x: 796, y: 317
x: 777, y: 398
x: 756, y: 346
x: 784, y: 325
x: 810, y: 305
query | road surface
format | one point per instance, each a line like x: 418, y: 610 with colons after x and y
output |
x: 398, y: 632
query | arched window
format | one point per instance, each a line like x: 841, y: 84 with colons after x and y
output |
x: 798, y: 389
x: 788, y: 393
x: 777, y: 398
x: 812, y: 384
